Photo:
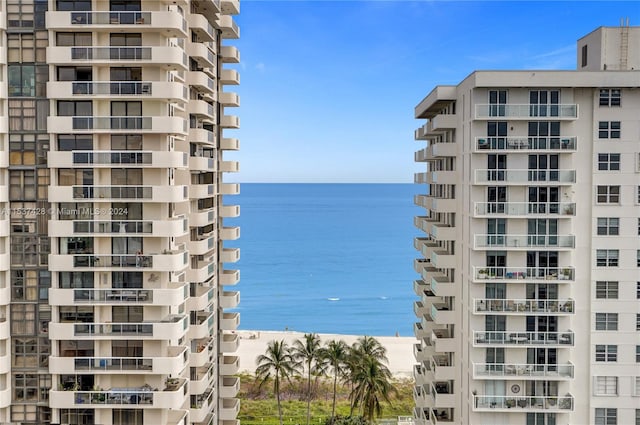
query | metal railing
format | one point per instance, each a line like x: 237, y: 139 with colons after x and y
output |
x: 111, y: 53
x: 140, y: 261
x: 113, y: 363
x: 526, y: 143
x: 112, y: 157
x: 523, y: 338
x: 524, y: 241
x: 523, y: 176
x: 525, y: 208
x: 132, y: 397
x: 529, y: 273
x: 527, y: 402
x: 112, y: 123
x: 114, y: 88
x: 111, y: 18
x: 523, y: 370
x: 112, y: 192
x: 113, y: 295
x: 527, y: 110
x: 514, y: 305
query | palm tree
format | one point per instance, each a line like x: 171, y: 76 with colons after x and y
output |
x: 278, y: 362
x: 307, y: 352
x: 365, y: 347
x: 335, y: 354
x: 371, y: 386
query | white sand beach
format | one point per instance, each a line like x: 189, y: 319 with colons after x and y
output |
x: 254, y: 343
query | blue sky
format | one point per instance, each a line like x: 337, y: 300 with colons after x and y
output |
x: 327, y: 89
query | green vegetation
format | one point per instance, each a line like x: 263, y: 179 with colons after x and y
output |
x: 325, y: 385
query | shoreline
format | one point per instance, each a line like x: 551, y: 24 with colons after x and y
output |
x: 254, y: 342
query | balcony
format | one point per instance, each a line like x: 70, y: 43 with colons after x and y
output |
x: 229, y: 189
x: 517, y: 371
x: 229, y: 409
x: 169, y: 23
x: 152, y: 90
x: 172, y: 363
x: 201, y: 81
x: 113, y: 124
x: 161, y: 194
x: 420, y: 308
x: 230, y: 7
x: 524, y: 306
x: 229, y: 77
x: 443, y: 395
x: 202, y: 246
x: 228, y: 27
x: 202, y: 109
x: 172, y: 261
x: 200, y: 163
x: 525, y: 242
x: 229, y: 54
x: 201, y: 26
x: 529, y: 177
x: 201, y: 54
x: 524, y: 209
x: 527, y: 111
x: 419, y: 353
x: 230, y: 387
x: 171, y: 327
x: 171, y: 227
x: 202, y: 352
x: 201, y: 271
x: 441, y: 123
x: 109, y: 159
x: 229, y: 277
x: 442, y: 259
x: 230, y: 255
x: 173, y: 295
x: 4, y: 329
x: 441, y: 205
x: 229, y: 365
x: 201, y: 406
x: 202, y: 218
x: 201, y: 136
x: 200, y: 297
x: 202, y: 379
x: 172, y: 397
x: 230, y: 211
x: 442, y: 315
x: 229, y: 342
x: 229, y: 99
x: 229, y: 166
x: 168, y: 57
x: 201, y: 325
x: 442, y: 368
x: 517, y: 274
x: 442, y: 286
x: 523, y: 338
x: 230, y: 321
x: 512, y: 404
x: 229, y: 121
x: 441, y: 416
x: 442, y: 232
x: 201, y: 191
x: 229, y: 144
x: 443, y: 341
x: 526, y: 144
x: 229, y: 299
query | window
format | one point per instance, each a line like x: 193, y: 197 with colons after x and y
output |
x: 73, y: 39
x: 125, y: 39
x: 606, y: 353
x: 610, y: 97
x: 607, y: 290
x: 77, y: 108
x: 638, y: 258
x: 638, y: 290
x: 72, y: 142
x: 639, y: 227
x: 73, y: 5
x: 638, y: 195
x: 128, y: 417
x: 74, y: 73
x: 606, y: 385
x: 606, y: 321
x: 608, y: 194
x: 608, y: 226
x: 607, y: 258
x: 609, y: 129
x: 608, y: 161
x: 637, y: 353
x: 606, y: 416
x: 585, y: 50
x: 637, y: 321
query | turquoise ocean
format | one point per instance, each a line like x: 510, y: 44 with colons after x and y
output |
x: 327, y: 258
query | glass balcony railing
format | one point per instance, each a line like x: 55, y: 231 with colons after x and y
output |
x: 524, y: 241
x: 523, y: 370
x: 112, y: 192
x: 115, y: 88
x: 111, y: 53
x: 112, y: 363
x: 526, y: 143
x: 525, y: 176
x: 112, y: 157
x: 525, y: 306
x: 113, y: 295
x: 523, y: 338
x: 527, y: 110
x: 112, y: 123
x: 111, y: 18
x: 525, y: 208
x: 528, y: 273
x: 139, y: 261
x: 533, y: 403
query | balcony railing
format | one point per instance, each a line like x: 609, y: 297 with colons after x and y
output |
x: 141, y: 261
x: 522, y: 338
x: 526, y: 143
x: 534, y: 403
x: 527, y: 110
x: 112, y: 123
x: 112, y: 157
x: 113, y: 295
x: 111, y: 53
x: 525, y: 208
x: 122, y: 329
x: 115, y: 88
x: 112, y: 192
x: 113, y: 363
x: 525, y: 306
x: 528, y: 273
x: 111, y: 18
x: 524, y: 241
x: 525, y: 176
x: 499, y: 370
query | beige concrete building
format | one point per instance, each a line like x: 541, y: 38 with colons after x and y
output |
x: 529, y: 287
x: 113, y: 293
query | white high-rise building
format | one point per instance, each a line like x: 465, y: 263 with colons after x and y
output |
x: 113, y: 294
x: 529, y: 287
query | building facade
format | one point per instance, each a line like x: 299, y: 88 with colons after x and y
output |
x: 112, y: 140
x: 529, y: 309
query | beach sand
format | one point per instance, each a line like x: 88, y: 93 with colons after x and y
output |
x: 254, y: 343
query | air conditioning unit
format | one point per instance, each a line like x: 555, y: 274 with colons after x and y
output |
x: 146, y: 88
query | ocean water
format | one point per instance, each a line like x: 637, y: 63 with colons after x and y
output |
x: 327, y: 258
